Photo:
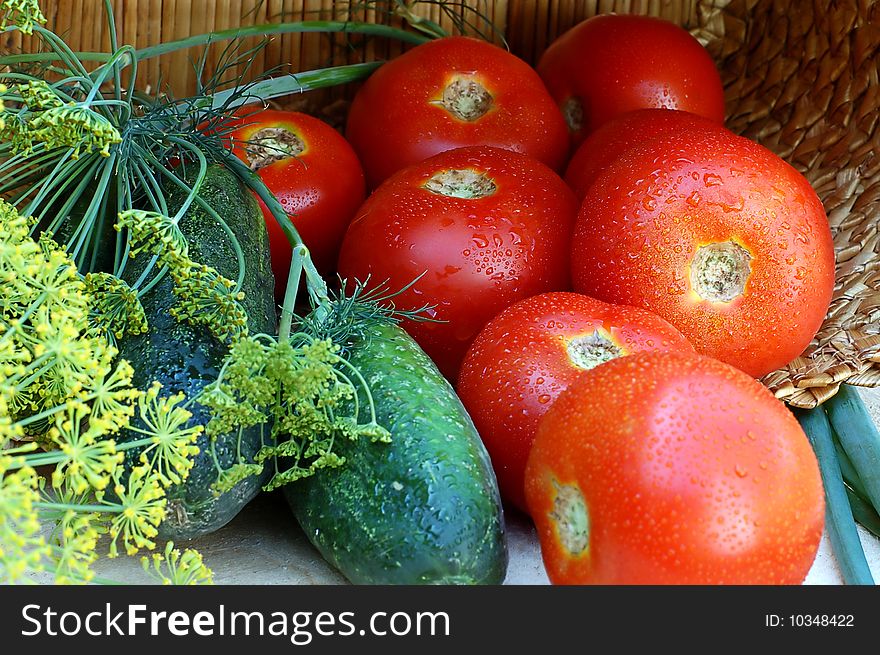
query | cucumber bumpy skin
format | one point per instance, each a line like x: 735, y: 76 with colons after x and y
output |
x: 187, y: 358
x: 423, y: 509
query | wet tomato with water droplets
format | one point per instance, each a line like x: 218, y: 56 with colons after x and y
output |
x: 717, y: 235
x: 530, y: 353
x: 621, y: 133
x: 452, y: 93
x: 609, y: 65
x: 668, y: 468
x: 482, y: 226
x: 313, y: 172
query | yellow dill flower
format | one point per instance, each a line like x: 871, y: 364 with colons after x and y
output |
x: 89, y: 460
x: 204, y: 296
x: 24, y: 14
x: 172, y: 441
x: 114, y: 307
x: 54, y: 123
x: 153, y: 233
x: 142, y: 503
x: 75, y: 548
x: 175, y: 568
x: 112, y: 397
x: 22, y: 549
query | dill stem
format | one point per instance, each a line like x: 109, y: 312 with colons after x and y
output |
x: 56, y: 456
x: 293, y: 278
x: 64, y: 507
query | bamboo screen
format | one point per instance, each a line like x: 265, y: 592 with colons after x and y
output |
x: 527, y: 25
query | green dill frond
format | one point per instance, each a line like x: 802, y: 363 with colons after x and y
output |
x: 339, y: 319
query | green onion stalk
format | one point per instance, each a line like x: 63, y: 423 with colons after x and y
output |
x: 86, y: 162
x: 847, y: 446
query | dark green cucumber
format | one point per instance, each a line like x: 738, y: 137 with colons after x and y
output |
x: 186, y: 358
x: 423, y: 509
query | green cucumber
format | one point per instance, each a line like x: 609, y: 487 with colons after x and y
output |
x: 423, y: 509
x: 186, y: 358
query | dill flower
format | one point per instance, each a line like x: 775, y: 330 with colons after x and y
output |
x: 22, y: 548
x: 142, y: 503
x: 75, y: 548
x: 53, y: 123
x: 24, y: 14
x: 172, y: 444
x: 89, y: 460
x: 204, y: 296
x: 175, y: 568
x: 114, y: 307
x: 111, y: 395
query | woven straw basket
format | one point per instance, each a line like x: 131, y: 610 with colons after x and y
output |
x: 801, y: 78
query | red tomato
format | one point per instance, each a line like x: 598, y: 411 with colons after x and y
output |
x: 620, y: 133
x: 667, y: 468
x: 451, y: 93
x: 609, y: 65
x: 486, y: 227
x: 717, y: 235
x: 530, y: 353
x: 313, y: 172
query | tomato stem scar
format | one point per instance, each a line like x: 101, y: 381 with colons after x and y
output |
x: 719, y: 271
x: 570, y: 518
x: 461, y: 183
x: 466, y: 99
x: 589, y: 351
x: 573, y: 111
x: 272, y: 144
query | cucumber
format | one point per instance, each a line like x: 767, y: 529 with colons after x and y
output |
x: 423, y: 509
x: 186, y: 358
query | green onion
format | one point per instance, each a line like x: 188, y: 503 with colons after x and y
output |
x: 850, y: 475
x: 347, y: 27
x: 863, y: 513
x: 839, y: 520
x: 859, y: 438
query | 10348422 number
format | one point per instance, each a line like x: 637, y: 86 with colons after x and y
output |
x: 821, y: 620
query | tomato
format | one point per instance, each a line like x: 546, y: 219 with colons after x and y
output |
x: 717, y: 235
x: 620, y: 133
x: 669, y: 468
x: 484, y: 227
x: 450, y: 93
x: 530, y: 353
x: 612, y: 64
x: 313, y: 172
